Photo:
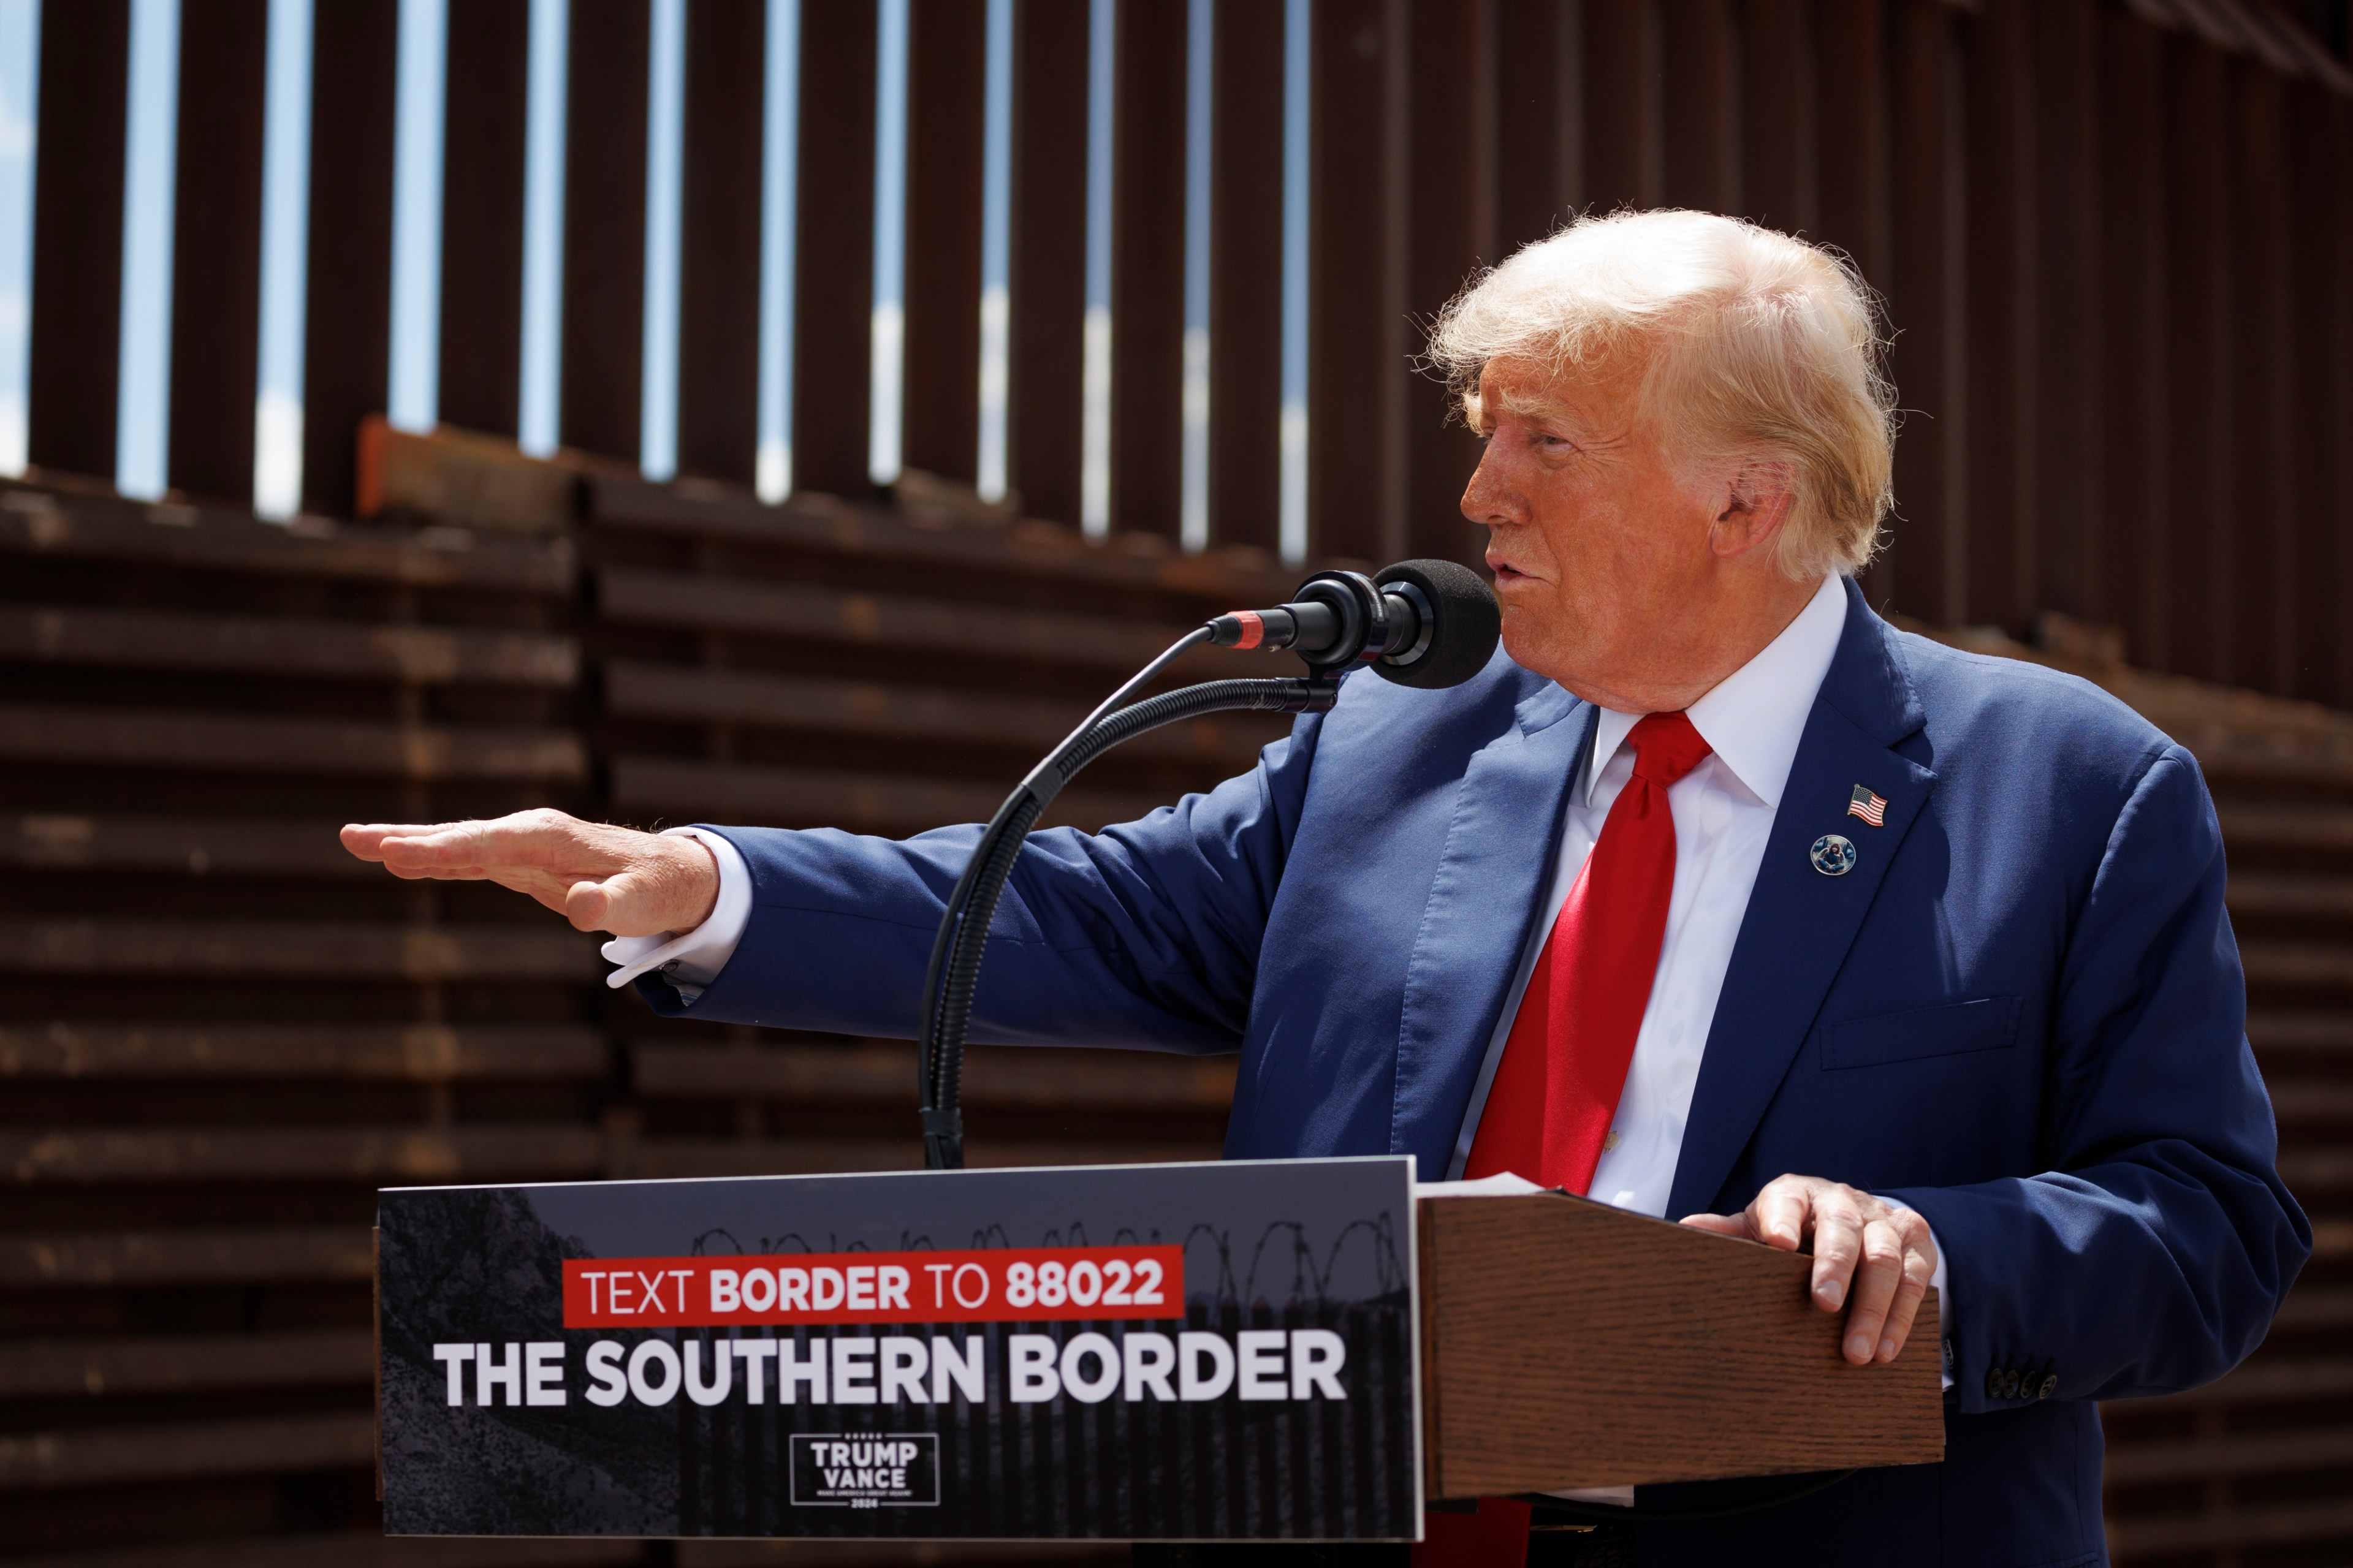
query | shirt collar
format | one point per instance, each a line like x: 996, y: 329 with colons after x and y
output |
x: 1753, y: 719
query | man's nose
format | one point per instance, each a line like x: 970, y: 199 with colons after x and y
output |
x: 1486, y: 499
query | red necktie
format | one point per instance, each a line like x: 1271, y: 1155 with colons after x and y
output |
x: 1564, y: 1063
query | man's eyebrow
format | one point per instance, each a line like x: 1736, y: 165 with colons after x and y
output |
x: 1537, y: 407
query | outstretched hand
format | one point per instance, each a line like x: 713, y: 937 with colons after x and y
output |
x: 599, y: 877
x: 1870, y: 1257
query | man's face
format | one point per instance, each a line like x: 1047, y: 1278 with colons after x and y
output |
x: 1600, y: 548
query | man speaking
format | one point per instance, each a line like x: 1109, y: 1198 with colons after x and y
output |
x: 1713, y: 895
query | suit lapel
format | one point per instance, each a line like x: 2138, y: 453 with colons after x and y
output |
x: 1497, y: 865
x: 1800, y: 923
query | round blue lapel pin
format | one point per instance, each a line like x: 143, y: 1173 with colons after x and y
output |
x: 1833, y: 854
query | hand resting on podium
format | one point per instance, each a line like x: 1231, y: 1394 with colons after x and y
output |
x: 599, y: 877
x: 1877, y: 1254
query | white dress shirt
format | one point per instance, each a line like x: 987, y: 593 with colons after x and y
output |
x: 1723, y: 811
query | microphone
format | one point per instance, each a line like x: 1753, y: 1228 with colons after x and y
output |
x: 1429, y: 623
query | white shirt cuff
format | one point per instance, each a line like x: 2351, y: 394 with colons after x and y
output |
x: 692, y: 960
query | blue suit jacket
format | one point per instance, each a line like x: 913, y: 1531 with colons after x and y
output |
x: 2021, y: 1013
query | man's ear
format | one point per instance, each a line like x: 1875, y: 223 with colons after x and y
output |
x: 1753, y: 507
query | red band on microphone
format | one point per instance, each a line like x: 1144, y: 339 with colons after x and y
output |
x: 1253, y: 628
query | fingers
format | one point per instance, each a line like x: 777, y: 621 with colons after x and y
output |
x: 1838, y: 1246
x: 1720, y: 1223
x: 365, y: 839
x: 1880, y: 1271
x: 502, y: 849
x: 1782, y: 1213
x: 1870, y: 1257
x: 1918, y: 1266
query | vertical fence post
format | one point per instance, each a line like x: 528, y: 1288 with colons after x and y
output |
x: 834, y: 275
x: 1452, y: 167
x: 604, y: 227
x: 1625, y: 126
x: 1926, y: 284
x: 216, y: 247
x: 347, y: 336
x: 2137, y: 334
x: 719, y: 291
x: 1702, y: 110
x: 1537, y: 52
x: 484, y: 126
x: 78, y: 236
x: 1049, y: 253
x: 1357, y: 396
x: 2072, y: 395
x: 1781, y: 140
x: 1147, y: 291
x: 2264, y: 534
x: 1246, y: 276
x: 2204, y: 425
x: 2003, y: 547
x: 947, y: 89
x: 2323, y: 393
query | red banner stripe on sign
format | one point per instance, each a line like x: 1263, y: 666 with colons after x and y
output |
x: 997, y: 1285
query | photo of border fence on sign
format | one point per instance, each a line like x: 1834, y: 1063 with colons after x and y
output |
x: 1154, y: 1352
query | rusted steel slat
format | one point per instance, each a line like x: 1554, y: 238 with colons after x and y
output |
x: 2170, y: 1535
x: 2315, y: 1307
x: 380, y: 1154
x: 325, y: 948
x: 2286, y: 894
x: 666, y: 1070
x: 798, y: 614
x: 1028, y: 552
x: 48, y: 1369
x: 2239, y: 1453
x: 2296, y: 826
x: 2301, y: 964
x: 197, y: 846
x: 2284, y: 1030
x: 424, y: 656
x: 2271, y: 1381
x: 674, y: 1157
x: 127, y: 1259
x: 146, y: 738
x: 414, y: 1053
x: 256, y: 1446
x: 35, y: 522
x: 685, y: 693
x: 789, y: 797
x: 2320, y: 1103
x: 2317, y: 1172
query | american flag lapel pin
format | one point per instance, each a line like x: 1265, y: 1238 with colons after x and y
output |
x: 1872, y: 808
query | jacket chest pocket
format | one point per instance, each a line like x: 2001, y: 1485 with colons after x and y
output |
x: 1987, y: 1024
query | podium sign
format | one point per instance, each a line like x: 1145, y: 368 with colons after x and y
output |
x: 1211, y: 1351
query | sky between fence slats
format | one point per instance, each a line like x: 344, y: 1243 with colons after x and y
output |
x: 150, y: 156
x: 411, y: 394
x: 20, y: 86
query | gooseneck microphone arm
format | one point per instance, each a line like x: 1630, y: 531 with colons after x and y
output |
x: 963, y: 936
x: 1422, y: 623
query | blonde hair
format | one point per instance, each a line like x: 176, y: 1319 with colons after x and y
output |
x: 1760, y: 347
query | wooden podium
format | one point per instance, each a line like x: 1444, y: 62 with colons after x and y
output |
x: 1566, y: 1343
x: 1300, y: 1350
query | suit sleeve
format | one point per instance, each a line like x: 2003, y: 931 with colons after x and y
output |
x: 1144, y: 935
x: 2152, y: 1254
